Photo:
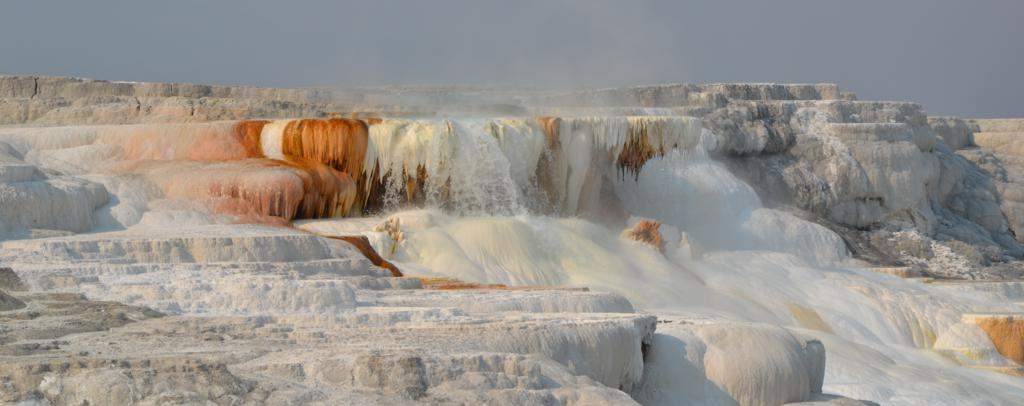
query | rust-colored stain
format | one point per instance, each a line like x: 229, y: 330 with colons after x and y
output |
x: 455, y: 284
x: 637, y: 149
x: 251, y: 189
x: 646, y: 231
x: 338, y: 142
x: 326, y: 192
x: 363, y: 245
x: 1006, y: 333
x: 550, y: 126
x: 247, y: 132
x: 545, y: 173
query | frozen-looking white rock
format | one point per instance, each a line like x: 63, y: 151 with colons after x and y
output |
x: 202, y: 259
x: 712, y: 363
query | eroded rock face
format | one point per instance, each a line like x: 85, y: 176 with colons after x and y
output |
x: 900, y: 188
x: 9, y: 281
x: 957, y: 133
x: 851, y: 169
x: 31, y: 200
x: 8, y: 302
x: 1003, y: 172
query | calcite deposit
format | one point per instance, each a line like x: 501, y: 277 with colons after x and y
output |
x: 717, y: 244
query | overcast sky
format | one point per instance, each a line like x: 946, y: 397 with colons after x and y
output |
x: 957, y: 57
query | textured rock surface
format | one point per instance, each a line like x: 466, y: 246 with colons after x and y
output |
x: 957, y: 133
x: 832, y: 400
x: 305, y: 318
x: 9, y: 281
x: 1006, y: 331
x: 899, y: 187
x: 701, y: 363
x: 32, y: 200
x: 43, y: 100
x: 287, y: 315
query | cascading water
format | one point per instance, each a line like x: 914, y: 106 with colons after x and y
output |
x: 491, y: 166
x: 481, y: 180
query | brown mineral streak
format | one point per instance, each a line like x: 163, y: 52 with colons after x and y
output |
x: 247, y: 132
x: 338, y: 142
x: 363, y: 245
x: 327, y: 192
x: 637, y: 149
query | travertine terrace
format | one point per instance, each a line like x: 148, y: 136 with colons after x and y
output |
x: 751, y: 244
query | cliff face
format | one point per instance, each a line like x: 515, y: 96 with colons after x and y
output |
x: 901, y: 188
x: 45, y: 100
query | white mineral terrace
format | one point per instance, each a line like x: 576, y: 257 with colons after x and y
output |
x: 733, y: 244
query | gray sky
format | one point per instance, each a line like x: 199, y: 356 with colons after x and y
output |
x: 957, y: 57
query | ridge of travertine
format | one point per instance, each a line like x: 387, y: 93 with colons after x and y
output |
x: 52, y: 100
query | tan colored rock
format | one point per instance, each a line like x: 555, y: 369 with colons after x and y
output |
x: 17, y: 86
x: 8, y: 302
x: 955, y: 132
x: 1005, y: 330
x: 1009, y: 143
x: 999, y: 124
x: 10, y: 281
